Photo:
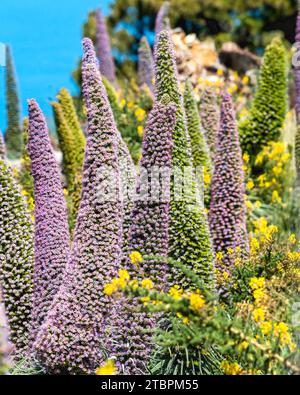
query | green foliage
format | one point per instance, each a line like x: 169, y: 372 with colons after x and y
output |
x: 24, y: 176
x: 189, y: 234
x: 69, y: 112
x: 204, y: 335
x: 134, y: 105
x: 13, y: 134
x: 16, y: 259
x: 265, y: 121
x: 199, y: 147
x: 113, y: 99
x: 200, y: 152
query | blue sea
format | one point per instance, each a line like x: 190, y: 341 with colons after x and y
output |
x: 45, y: 37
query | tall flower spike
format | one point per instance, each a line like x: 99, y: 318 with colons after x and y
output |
x: 210, y: 118
x: 78, y: 142
x: 267, y: 114
x: 52, y: 240
x: 24, y: 176
x: 13, y: 133
x: 127, y: 168
x: 70, y: 166
x: 149, y: 236
x: 107, y: 66
x: 162, y: 19
x: 200, y: 150
x: 73, y: 337
x: 113, y: 100
x: 189, y: 233
x: 227, y: 214
x: 16, y: 259
x: 145, y: 64
x: 67, y: 145
x: 297, y: 67
x: 69, y: 111
x: 2, y: 147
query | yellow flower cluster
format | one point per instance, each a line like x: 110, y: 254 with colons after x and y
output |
x: 196, y: 301
x: 117, y: 283
x: 176, y: 292
x: 275, y: 160
x: 231, y: 368
x: 108, y: 369
x: 263, y: 233
x: 267, y: 327
x: 206, y: 177
x: 140, y: 114
x: 136, y: 258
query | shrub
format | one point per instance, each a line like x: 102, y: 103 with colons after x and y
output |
x: 16, y: 259
x: 189, y: 234
x: 51, y: 233
x: 267, y: 114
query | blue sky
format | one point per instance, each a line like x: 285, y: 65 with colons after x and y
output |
x: 45, y: 37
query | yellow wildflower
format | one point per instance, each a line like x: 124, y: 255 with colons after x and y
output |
x: 231, y: 369
x: 246, y: 157
x: 108, y: 369
x: 185, y: 320
x: 292, y: 239
x: 266, y: 327
x: 250, y: 184
x: 176, y: 292
x: 140, y: 130
x: 196, y: 301
x: 243, y: 346
x: 136, y: 257
x: 257, y: 204
x: 258, y: 314
x: 220, y: 72
x: 24, y: 193
x: 258, y: 295
x: 249, y: 205
x: 109, y: 289
x: 275, y: 197
x: 219, y: 256
x: 123, y: 274
x: 257, y: 282
x: 254, y: 245
x: 140, y: 114
x: 147, y: 284
x: 245, y: 80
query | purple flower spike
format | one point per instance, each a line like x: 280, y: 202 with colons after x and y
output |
x: 74, y: 335
x: 227, y: 214
x: 107, y: 66
x: 162, y: 18
x: 149, y: 236
x: 145, y: 64
x: 52, y: 239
